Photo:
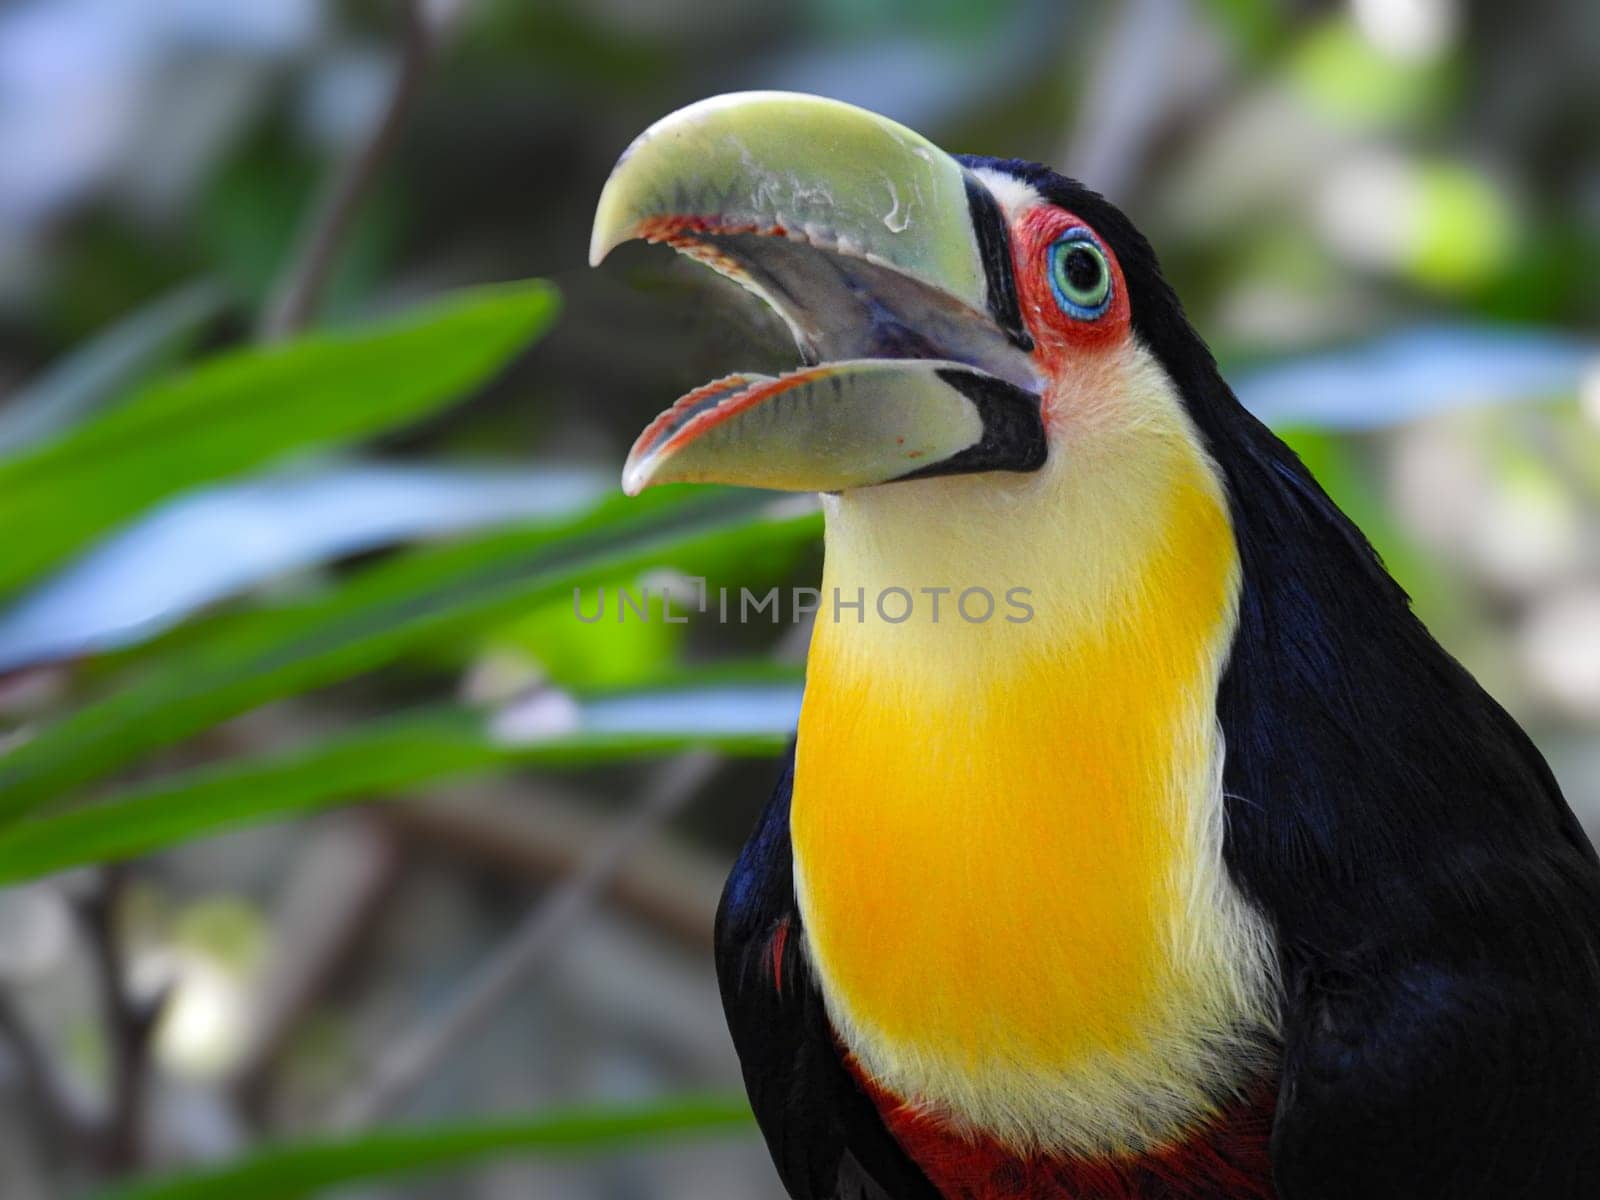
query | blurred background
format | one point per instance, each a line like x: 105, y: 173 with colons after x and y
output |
x: 320, y: 812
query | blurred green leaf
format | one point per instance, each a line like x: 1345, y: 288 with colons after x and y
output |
x: 1355, y: 84
x: 602, y: 654
x: 293, y: 1170
x: 249, y: 407
x: 610, y: 653
x: 384, y: 612
x: 1465, y: 229
x: 738, y: 716
x: 95, y: 373
x: 187, y: 554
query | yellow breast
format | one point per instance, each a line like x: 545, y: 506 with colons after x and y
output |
x: 1007, y: 835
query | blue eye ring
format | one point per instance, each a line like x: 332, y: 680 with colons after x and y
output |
x: 1080, y: 275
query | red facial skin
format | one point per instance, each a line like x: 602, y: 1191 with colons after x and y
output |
x: 1059, y: 337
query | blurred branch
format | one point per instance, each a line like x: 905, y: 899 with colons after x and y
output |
x: 294, y: 298
x: 670, y: 886
x: 338, y: 893
x: 414, y: 1056
x: 129, y: 1022
x: 54, y: 1104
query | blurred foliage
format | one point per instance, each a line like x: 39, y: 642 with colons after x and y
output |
x: 247, y: 408
x: 103, y: 370
x: 290, y: 1171
x: 386, y: 757
x: 386, y: 611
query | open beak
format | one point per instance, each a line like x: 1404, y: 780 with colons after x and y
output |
x: 889, y: 261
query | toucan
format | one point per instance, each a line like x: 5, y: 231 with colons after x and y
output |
x: 1205, y: 872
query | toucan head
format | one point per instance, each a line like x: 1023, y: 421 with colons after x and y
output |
x: 944, y: 306
x: 999, y: 386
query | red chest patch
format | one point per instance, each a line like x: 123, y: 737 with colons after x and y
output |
x: 1225, y: 1160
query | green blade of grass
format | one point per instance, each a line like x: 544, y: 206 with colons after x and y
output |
x: 249, y: 407
x: 389, y: 757
x: 107, y: 366
x: 424, y: 598
x: 298, y: 1169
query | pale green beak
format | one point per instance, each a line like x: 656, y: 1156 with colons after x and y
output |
x: 889, y: 261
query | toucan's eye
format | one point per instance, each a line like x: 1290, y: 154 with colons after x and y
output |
x: 1079, y: 275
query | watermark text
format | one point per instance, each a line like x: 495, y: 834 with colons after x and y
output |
x: 676, y: 605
